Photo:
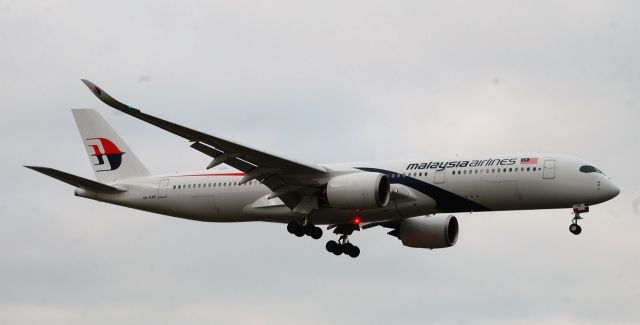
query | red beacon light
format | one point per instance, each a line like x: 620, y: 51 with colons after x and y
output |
x: 357, y: 220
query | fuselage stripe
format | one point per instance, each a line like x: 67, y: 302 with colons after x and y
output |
x: 445, y: 200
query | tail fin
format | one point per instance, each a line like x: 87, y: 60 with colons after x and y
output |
x: 111, y: 157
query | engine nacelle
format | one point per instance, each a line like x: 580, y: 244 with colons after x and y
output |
x: 363, y: 190
x: 429, y: 232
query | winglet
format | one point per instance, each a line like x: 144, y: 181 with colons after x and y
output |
x: 106, y: 98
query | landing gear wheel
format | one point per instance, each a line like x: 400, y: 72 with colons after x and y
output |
x: 331, y: 246
x: 308, y: 229
x: 316, y: 233
x: 355, y: 252
x: 338, y: 250
x: 351, y: 250
x: 347, y: 248
x: 292, y: 227
x: 299, y: 231
x: 575, y: 229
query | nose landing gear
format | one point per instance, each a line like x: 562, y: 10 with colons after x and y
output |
x: 574, y: 228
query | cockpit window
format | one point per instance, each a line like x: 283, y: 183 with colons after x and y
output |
x: 590, y: 169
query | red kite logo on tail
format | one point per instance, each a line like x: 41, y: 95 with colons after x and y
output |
x: 109, y: 149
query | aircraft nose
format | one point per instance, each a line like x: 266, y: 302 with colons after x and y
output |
x: 610, y: 190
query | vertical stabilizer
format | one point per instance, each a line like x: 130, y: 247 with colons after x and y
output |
x: 111, y: 157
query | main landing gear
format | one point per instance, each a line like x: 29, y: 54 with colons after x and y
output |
x: 307, y: 228
x: 343, y: 245
x: 574, y: 228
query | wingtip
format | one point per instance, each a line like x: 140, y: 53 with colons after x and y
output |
x: 93, y: 87
x: 107, y: 99
x: 87, y: 82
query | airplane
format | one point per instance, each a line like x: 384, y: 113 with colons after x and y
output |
x: 415, y: 199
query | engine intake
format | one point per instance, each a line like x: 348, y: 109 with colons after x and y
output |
x: 429, y: 232
x: 363, y: 190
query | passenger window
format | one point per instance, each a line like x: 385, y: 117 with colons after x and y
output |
x: 224, y: 184
x: 453, y: 172
x: 464, y: 172
x: 510, y: 169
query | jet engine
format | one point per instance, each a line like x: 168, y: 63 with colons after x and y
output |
x: 363, y: 190
x: 428, y: 232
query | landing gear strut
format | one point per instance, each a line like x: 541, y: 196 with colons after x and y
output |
x: 574, y: 228
x: 308, y: 229
x: 343, y: 245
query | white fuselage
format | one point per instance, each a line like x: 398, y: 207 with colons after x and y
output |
x: 505, y: 182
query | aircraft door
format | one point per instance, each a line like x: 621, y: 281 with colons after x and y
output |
x: 162, y: 188
x: 549, y: 171
x: 439, y: 179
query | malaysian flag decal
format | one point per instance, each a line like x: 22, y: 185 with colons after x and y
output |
x: 528, y: 161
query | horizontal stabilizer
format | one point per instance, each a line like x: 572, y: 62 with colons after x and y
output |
x: 76, y: 181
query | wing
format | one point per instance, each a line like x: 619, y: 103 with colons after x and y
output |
x: 287, y: 179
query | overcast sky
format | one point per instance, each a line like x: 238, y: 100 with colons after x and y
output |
x: 322, y: 81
